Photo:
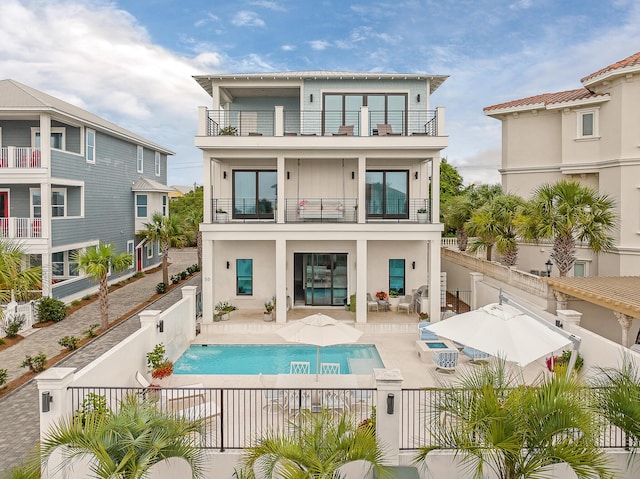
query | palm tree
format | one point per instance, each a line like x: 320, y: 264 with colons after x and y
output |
x: 96, y: 262
x: 127, y: 443
x: 618, y: 398
x: 316, y: 447
x: 16, y: 281
x: 566, y: 212
x: 192, y: 219
x: 518, y: 431
x: 494, y: 223
x: 169, y: 231
x: 456, y: 212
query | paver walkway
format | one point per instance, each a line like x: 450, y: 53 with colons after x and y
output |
x: 19, y: 411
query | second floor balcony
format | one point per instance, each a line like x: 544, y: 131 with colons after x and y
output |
x: 20, y: 228
x: 20, y: 157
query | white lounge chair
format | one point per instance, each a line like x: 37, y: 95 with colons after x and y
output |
x: 172, y: 394
x: 273, y: 399
x: 446, y: 360
x: 476, y: 356
x: 426, y: 334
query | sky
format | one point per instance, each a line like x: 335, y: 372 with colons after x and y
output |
x: 132, y: 61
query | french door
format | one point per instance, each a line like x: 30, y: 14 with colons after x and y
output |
x: 321, y: 278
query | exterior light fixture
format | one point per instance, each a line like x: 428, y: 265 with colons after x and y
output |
x: 228, y: 265
x: 160, y: 326
x: 311, y: 98
x: 549, y: 266
x: 288, y: 176
x: 224, y: 175
x: 415, y: 175
x: 418, y: 98
x: 413, y: 265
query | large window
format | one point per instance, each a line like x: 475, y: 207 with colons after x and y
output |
x: 344, y: 109
x: 140, y: 159
x: 57, y: 140
x: 244, y: 277
x: 90, y: 149
x: 157, y: 163
x: 396, y: 275
x: 387, y: 194
x: 64, y: 265
x: 58, y: 200
x: 141, y: 206
x: 254, y: 193
x: 36, y: 203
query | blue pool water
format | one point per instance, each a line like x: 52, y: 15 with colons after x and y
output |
x: 274, y: 358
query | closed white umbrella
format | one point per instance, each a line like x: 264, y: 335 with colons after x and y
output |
x: 319, y: 330
x: 504, y: 331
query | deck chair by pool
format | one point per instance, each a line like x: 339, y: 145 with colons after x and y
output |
x: 476, y: 356
x: 384, y: 129
x: 273, y: 399
x: 426, y: 334
x: 329, y: 368
x: 172, y: 394
x: 406, y: 304
x: 345, y: 130
x: 299, y: 367
x: 446, y: 361
x: 371, y: 304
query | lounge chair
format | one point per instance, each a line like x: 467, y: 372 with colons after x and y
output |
x: 329, y: 368
x: 476, y: 356
x: 273, y: 399
x: 384, y: 129
x: 172, y: 394
x: 406, y: 304
x: 446, y: 360
x: 345, y: 130
x: 371, y: 304
x: 299, y: 367
x: 426, y: 334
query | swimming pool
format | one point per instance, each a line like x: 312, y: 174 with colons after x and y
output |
x: 274, y: 358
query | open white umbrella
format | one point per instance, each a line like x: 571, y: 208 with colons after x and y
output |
x: 319, y: 330
x: 504, y: 331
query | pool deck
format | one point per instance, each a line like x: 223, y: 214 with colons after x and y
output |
x: 394, y: 335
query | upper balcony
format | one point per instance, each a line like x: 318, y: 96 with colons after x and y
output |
x: 20, y: 157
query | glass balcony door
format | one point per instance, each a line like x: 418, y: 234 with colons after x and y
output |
x: 387, y: 194
x: 325, y: 278
x: 254, y: 194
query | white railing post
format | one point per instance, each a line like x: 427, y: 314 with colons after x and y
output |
x: 364, y: 121
x: 389, y: 401
x: 279, y: 121
x: 189, y: 293
x: 203, y: 121
x: 475, y: 279
x: 440, y: 121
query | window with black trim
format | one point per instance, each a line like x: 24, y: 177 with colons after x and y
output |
x: 396, y: 275
x: 387, y: 194
x: 344, y: 109
x: 254, y: 193
x: 244, y: 277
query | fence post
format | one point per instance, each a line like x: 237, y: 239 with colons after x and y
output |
x: 189, y: 293
x: 388, y: 413
x: 475, y: 279
x: 457, y: 301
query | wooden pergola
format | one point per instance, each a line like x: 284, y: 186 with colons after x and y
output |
x: 620, y: 294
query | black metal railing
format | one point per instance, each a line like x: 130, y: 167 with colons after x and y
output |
x: 234, y: 418
x: 455, y: 301
x: 242, y: 210
x: 321, y: 210
x: 241, y: 122
x: 402, y: 210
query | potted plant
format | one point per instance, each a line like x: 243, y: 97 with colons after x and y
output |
x: 423, y: 216
x: 223, y: 310
x: 158, y: 363
x: 268, y: 311
x: 423, y: 316
x: 221, y: 216
x: 394, y: 299
x: 228, y: 130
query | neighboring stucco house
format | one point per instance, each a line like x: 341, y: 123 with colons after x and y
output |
x: 592, y: 135
x: 318, y: 186
x: 70, y: 179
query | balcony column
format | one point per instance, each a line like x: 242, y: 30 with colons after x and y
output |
x: 203, y: 120
x: 207, y: 189
x: 364, y: 121
x: 281, y: 206
x: 435, y: 190
x: 281, y: 280
x: 361, y: 281
x: 207, y: 280
x: 440, y: 121
x: 434, y: 280
x: 279, y: 121
x: 362, y: 189
x: 45, y: 141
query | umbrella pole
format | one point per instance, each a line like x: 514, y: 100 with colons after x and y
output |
x: 317, y: 361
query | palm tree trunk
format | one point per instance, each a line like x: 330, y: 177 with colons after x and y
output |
x: 510, y: 257
x: 165, y: 261
x: 104, y: 304
x: 463, y: 239
x: 489, y: 249
x: 563, y: 253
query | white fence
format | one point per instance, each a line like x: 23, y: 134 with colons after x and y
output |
x: 14, y: 310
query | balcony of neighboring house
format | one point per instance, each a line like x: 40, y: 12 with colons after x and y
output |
x: 20, y: 228
x: 20, y: 157
x: 319, y: 210
x: 362, y: 122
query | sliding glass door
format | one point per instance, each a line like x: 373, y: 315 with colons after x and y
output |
x: 324, y: 278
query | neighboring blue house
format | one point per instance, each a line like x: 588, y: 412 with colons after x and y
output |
x: 70, y: 179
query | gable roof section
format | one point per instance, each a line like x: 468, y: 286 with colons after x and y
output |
x: 148, y: 185
x: 629, y: 64
x: 544, y: 101
x: 15, y: 96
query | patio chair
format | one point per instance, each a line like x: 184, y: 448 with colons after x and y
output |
x: 371, y: 304
x: 299, y: 367
x: 334, y: 400
x: 172, y: 394
x: 299, y: 400
x: 273, y: 399
x: 406, y: 304
x: 476, y: 356
x: 384, y: 129
x: 426, y: 334
x: 446, y: 360
x: 345, y: 130
x: 329, y: 368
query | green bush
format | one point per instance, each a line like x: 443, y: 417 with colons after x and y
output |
x: 51, y: 309
x: 161, y: 288
x: 69, y: 342
x: 91, y: 332
x: 175, y: 278
x: 183, y: 274
x: 76, y: 302
x: 2, y: 341
x: 35, y: 363
x: 138, y: 274
x: 3, y: 376
x: 86, y: 297
x: 352, y: 303
x: 12, y: 326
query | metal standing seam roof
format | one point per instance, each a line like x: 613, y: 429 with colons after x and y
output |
x: 205, y: 80
x: 617, y: 293
x: 146, y: 184
x: 15, y: 96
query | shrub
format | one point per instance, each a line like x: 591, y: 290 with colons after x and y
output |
x: 195, y: 267
x: 158, y: 363
x: 35, y: 363
x: 2, y: 341
x: 76, y: 302
x: 183, y: 274
x: 161, y: 288
x: 92, y: 404
x: 175, y: 278
x: 3, y: 376
x: 352, y: 303
x: 12, y: 326
x: 51, y: 309
x: 138, y: 274
x: 69, y: 342
x: 86, y: 297
x: 91, y: 332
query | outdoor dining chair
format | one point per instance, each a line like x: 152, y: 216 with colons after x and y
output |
x: 446, y: 360
x: 299, y: 367
x: 329, y: 368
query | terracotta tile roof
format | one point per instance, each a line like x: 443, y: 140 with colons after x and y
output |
x: 633, y: 60
x: 618, y: 293
x: 545, y: 99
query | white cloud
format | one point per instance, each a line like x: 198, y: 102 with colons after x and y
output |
x: 288, y: 48
x: 276, y: 7
x: 520, y: 5
x: 319, y: 44
x: 245, y: 18
x: 209, y: 18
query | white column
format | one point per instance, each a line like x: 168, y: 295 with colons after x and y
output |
x: 45, y: 142
x: 207, y: 280
x: 434, y: 280
x: 364, y: 121
x: 279, y: 121
x: 189, y: 293
x: 361, y: 281
x: 55, y: 381
x: 207, y: 189
x: 625, y: 322
x: 281, y: 206
x: 203, y: 121
x: 435, y: 191
x: 362, y: 189
x: 149, y: 319
x: 389, y: 390
x: 475, y: 279
x: 281, y: 280
x: 440, y: 119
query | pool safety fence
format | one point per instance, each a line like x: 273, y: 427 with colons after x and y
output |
x: 234, y: 418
